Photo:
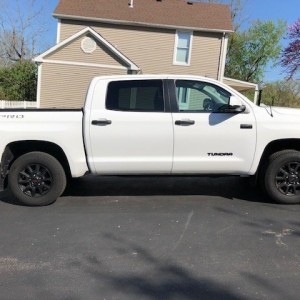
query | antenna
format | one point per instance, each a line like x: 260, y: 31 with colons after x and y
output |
x: 271, y: 105
x: 130, y: 4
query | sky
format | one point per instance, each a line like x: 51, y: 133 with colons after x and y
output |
x: 287, y: 10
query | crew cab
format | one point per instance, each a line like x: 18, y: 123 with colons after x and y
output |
x: 150, y: 124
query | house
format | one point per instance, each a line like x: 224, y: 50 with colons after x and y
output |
x: 110, y: 37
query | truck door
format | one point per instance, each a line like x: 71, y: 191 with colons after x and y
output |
x: 131, y: 132
x: 210, y: 136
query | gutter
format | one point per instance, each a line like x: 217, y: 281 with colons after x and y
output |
x: 141, y: 24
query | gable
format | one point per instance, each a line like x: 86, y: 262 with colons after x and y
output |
x: 87, y: 47
x: 153, y: 13
x: 79, y: 50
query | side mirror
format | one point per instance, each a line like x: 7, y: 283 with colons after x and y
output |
x: 235, y: 106
x: 231, y: 109
x: 233, y: 101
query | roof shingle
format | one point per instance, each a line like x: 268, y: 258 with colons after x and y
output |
x: 164, y: 13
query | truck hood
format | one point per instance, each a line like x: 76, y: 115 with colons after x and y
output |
x: 286, y: 111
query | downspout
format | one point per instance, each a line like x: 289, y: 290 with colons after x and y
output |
x: 222, y: 62
x: 39, y: 85
x: 58, y: 31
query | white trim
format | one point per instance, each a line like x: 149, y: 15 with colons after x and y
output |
x: 130, y: 23
x: 71, y: 63
x: 244, y: 83
x: 58, y: 31
x: 176, y: 46
x: 131, y: 65
x: 223, y: 54
x: 240, y: 85
x: 39, y: 86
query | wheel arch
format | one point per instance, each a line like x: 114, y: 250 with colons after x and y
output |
x: 279, y: 145
x: 274, y: 147
x: 16, y: 149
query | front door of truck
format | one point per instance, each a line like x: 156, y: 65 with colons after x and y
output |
x: 210, y: 135
x: 131, y: 133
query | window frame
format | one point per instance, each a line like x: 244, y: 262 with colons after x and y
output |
x: 165, y: 103
x: 174, y: 99
x: 178, y: 63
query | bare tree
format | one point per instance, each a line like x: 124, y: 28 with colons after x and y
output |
x: 21, y: 27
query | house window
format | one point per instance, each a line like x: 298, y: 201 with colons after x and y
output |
x: 183, y: 97
x: 183, y: 46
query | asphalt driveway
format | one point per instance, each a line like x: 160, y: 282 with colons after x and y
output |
x: 151, y: 238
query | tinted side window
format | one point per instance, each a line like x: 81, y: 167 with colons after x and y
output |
x: 197, y: 96
x: 135, y: 95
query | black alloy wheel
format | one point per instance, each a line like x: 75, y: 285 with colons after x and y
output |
x: 36, y: 179
x: 288, y: 179
x: 281, y: 177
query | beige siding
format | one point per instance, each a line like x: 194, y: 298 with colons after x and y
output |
x: 65, y: 86
x: 68, y: 28
x: 73, y: 53
x: 152, y: 49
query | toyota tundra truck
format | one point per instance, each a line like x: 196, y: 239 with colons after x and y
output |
x: 150, y: 125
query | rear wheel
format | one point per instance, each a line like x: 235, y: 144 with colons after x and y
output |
x: 282, y: 177
x: 36, y: 179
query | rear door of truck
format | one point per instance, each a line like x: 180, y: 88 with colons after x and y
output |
x: 130, y: 128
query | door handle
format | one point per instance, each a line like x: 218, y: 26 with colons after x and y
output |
x: 184, y: 122
x: 101, y: 122
x: 246, y: 126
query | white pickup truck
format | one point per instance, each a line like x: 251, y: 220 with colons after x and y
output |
x: 160, y: 124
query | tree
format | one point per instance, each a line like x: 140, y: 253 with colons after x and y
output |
x: 280, y: 93
x: 21, y: 29
x: 290, y: 59
x: 18, y: 81
x: 251, y: 50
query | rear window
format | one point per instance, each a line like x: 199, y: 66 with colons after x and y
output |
x: 135, y: 95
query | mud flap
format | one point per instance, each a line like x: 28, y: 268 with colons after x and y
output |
x: 6, y: 160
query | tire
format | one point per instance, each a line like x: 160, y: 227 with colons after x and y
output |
x: 281, y: 178
x: 36, y: 179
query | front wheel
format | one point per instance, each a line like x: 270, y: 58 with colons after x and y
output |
x: 36, y: 179
x: 282, y: 177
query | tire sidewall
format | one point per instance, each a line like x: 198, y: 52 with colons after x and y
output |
x: 271, y: 172
x: 53, y: 166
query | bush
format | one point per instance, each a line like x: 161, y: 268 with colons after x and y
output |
x: 19, y: 81
x: 282, y: 93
